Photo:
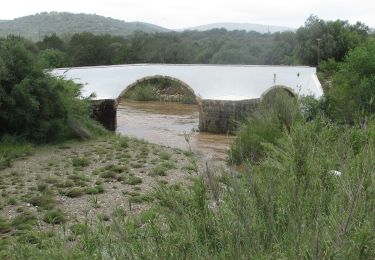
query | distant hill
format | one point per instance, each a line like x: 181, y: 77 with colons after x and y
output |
x: 261, y: 28
x: 37, y: 26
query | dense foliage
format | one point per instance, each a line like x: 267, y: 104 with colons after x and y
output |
x: 34, y: 104
x: 278, y: 113
x: 335, y: 39
x: 216, y: 46
x: 352, y: 96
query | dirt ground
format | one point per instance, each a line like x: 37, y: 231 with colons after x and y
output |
x: 83, y: 181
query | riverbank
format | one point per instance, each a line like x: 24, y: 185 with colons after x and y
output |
x: 61, y: 187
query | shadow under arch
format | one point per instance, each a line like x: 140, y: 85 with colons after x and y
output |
x: 180, y: 82
x: 276, y: 88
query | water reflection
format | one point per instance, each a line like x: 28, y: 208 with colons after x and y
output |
x: 170, y: 124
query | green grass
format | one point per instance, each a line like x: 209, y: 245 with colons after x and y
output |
x: 45, y: 200
x: 13, y: 147
x: 74, y: 192
x: 123, y: 142
x: 133, y: 180
x: 80, y: 162
x: 164, y: 155
x: 55, y: 216
x: 159, y: 170
x: 288, y: 205
x: 162, y: 90
x: 94, y: 190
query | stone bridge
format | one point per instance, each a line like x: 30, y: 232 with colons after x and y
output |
x: 222, y: 91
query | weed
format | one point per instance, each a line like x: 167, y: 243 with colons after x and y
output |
x: 123, y: 142
x: 108, y: 175
x: 159, y: 170
x: 103, y: 217
x: 55, y: 216
x: 192, y: 166
x: 25, y: 220
x: 79, y: 229
x: 44, y: 200
x: 94, y: 201
x: 94, y: 190
x: 12, y: 201
x: 80, y: 162
x: 133, y: 180
x: 169, y: 165
x: 119, y: 212
x: 165, y: 155
x: 74, y: 192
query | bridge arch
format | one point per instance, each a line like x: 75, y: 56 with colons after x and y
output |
x: 290, y: 91
x: 173, y: 79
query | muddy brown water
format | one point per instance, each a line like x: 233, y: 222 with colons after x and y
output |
x: 170, y: 124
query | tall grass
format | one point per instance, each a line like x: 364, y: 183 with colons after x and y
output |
x: 277, y: 113
x: 143, y: 92
x: 291, y: 204
x: 12, y: 147
x: 162, y: 90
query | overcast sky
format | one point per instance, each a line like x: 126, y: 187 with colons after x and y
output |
x: 181, y: 14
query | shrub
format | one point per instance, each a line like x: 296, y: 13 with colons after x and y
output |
x: 277, y: 114
x: 80, y: 162
x: 12, y: 147
x: 133, y: 180
x: 142, y: 92
x: 34, y: 104
x: 352, y: 96
x: 55, y: 216
x: 164, y: 155
x: 159, y: 170
x: 94, y: 190
x: 74, y: 192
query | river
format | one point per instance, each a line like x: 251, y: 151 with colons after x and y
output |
x: 170, y: 124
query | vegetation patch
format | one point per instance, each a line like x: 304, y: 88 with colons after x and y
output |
x: 55, y: 216
x: 94, y: 190
x: 80, y: 162
x: 159, y: 170
x: 74, y: 192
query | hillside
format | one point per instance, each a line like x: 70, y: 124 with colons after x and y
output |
x: 35, y: 27
x: 261, y: 28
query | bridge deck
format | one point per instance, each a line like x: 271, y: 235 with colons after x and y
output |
x: 222, y: 82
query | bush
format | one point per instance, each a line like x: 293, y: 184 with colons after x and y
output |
x: 10, y: 148
x: 277, y: 114
x: 143, y: 92
x: 159, y: 170
x: 35, y: 105
x: 352, y: 97
x: 55, y: 216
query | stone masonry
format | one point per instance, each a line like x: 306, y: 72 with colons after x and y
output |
x: 105, y: 111
x: 215, y: 116
x: 222, y: 116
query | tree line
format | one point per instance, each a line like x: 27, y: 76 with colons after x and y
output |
x: 217, y: 46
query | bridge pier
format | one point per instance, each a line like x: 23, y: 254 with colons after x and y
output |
x: 222, y: 116
x: 105, y: 111
x: 215, y: 116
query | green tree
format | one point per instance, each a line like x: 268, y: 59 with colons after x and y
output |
x: 352, y: 95
x: 51, y: 58
x: 34, y: 104
x: 52, y: 42
x: 336, y: 38
x: 87, y: 49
